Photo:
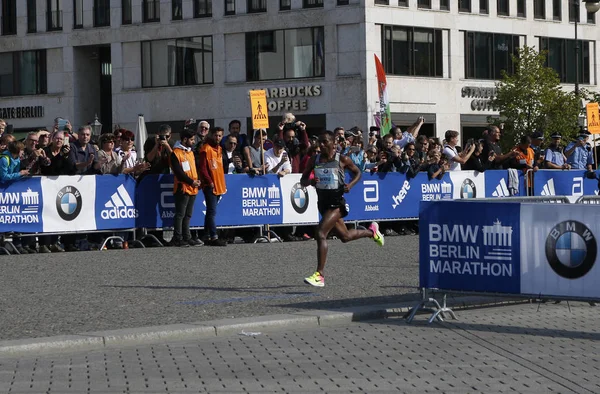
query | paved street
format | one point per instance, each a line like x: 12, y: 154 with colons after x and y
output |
x: 67, y: 293
x: 511, y: 349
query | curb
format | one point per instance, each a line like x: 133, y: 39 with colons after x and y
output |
x: 228, y: 327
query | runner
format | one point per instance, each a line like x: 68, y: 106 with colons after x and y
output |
x: 328, y: 179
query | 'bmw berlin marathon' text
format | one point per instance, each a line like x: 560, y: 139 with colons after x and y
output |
x: 471, y: 249
x: 261, y: 201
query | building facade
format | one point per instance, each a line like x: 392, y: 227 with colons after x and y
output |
x: 177, y: 59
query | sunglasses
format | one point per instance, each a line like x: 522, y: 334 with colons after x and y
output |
x: 32, y: 140
x: 411, y: 149
x: 127, y: 139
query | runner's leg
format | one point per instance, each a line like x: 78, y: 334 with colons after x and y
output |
x: 346, y: 235
x: 328, y: 222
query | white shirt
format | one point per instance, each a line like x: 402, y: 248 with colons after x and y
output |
x: 132, y: 161
x: 406, y: 138
x: 271, y: 161
x: 231, y: 168
x: 451, y: 153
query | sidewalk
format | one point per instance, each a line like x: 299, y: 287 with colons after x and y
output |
x: 509, y: 349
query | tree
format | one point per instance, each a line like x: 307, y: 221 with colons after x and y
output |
x: 532, y: 99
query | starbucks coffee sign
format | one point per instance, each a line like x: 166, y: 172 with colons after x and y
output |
x: 291, y: 98
x: 481, y: 98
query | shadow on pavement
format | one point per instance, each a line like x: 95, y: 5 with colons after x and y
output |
x: 226, y: 289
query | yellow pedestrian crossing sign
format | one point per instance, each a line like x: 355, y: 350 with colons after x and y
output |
x: 260, y: 113
x: 593, y: 118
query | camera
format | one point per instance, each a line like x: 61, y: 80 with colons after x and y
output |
x: 291, y: 126
x: 341, y: 139
x: 162, y: 137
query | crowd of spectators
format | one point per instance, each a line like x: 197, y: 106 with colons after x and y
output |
x: 66, y: 152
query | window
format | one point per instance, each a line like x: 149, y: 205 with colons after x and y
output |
x: 521, y: 10
x: 285, y: 54
x: 487, y: 54
x: 22, y: 73
x: 31, y: 16
x: 176, y: 11
x: 561, y: 57
x: 229, y: 7
x: 257, y: 6
x: 54, y: 15
x: 101, y: 13
x: 445, y: 5
x: 484, y: 6
x: 151, y: 10
x: 424, y: 4
x: 202, y: 8
x: 343, y: 2
x: 401, y: 3
x: 539, y: 9
x: 464, y: 5
x: 591, y: 18
x: 285, y: 5
x: 412, y: 51
x: 177, y: 62
x: 503, y: 7
x: 574, y: 11
x: 312, y: 3
x: 77, y: 14
x: 9, y: 17
x: 557, y: 10
x: 126, y: 12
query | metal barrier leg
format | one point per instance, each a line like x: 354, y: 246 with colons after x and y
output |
x: 116, y: 237
x: 3, y: 249
x: 12, y: 247
x: 437, y: 312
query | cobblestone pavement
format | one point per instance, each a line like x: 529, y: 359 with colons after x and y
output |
x: 512, y: 349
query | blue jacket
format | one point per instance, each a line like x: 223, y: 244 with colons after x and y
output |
x: 9, y: 167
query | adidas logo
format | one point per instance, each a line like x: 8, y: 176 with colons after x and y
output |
x: 120, y: 206
x: 548, y: 189
x: 501, y: 189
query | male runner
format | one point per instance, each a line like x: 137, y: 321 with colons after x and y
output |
x: 329, y: 181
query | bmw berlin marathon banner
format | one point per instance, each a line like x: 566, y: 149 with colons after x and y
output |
x: 515, y: 248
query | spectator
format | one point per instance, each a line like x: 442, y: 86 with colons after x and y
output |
x: 525, y: 157
x: 410, y: 135
x: 410, y: 164
x: 356, y: 152
x: 33, y: 157
x: 393, y: 162
x: 490, y: 144
x: 185, y: 189
x: 235, y: 127
x: 340, y: 139
x: 276, y: 159
x: 382, y: 159
x: 58, y: 153
x: 537, y: 139
x: 82, y: 154
x: 5, y: 140
x: 10, y: 163
x: 579, y: 152
x: 212, y: 177
x: 477, y: 162
x: 434, y: 143
x: 67, y: 128
x: 436, y: 166
x: 129, y: 156
x: 254, y: 153
x: 157, y: 151
x: 453, y: 157
x: 232, y: 162
x: 117, y: 133
x: 109, y: 161
x: 201, y: 133
x: 422, y: 146
x: 373, y: 136
x: 293, y: 133
x: 554, y: 157
x: 2, y: 127
x: 371, y: 160
x: 310, y: 152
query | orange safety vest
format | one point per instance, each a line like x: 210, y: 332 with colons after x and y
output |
x: 214, y: 158
x: 525, y: 157
x: 188, y: 164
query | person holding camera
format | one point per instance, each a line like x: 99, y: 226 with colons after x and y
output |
x: 293, y: 133
x: 410, y: 164
x: 157, y: 151
x: 454, y: 158
x: 477, y: 162
x: 33, y: 157
x: 579, y: 152
x: 232, y: 158
x: 277, y: 159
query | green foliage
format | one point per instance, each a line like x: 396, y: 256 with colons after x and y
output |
x: 532, y: 100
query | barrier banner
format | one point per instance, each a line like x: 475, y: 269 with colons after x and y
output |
x: 115, y: 202
x: 69, y: 203
x: 21, y: 205
x: 564, y: 183
x: 497, y: 184
x: 467, y: 184
x: 470, y: 246
x: 560, y: 253
x: 299, y: 202
x: 155, y: 203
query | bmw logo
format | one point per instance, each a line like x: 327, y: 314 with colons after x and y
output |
x: 299, y: 198
x: 68, y: 203
x: 468, y: 189
x: 571, y: 249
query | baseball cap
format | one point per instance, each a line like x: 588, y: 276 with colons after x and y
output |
x: 537, y: 136
x: 278, y: 142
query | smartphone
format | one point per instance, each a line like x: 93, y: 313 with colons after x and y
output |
x: 66, y: 140
x: 62, y: 123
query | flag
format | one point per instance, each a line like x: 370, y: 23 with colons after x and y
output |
x: 384, y: 102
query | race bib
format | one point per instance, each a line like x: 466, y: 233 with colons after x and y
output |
x: 328, y: 178
x: 185, y: 165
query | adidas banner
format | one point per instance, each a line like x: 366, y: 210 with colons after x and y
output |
x: 492, y: 247
x: 115, y: 204
x: 572, y: 183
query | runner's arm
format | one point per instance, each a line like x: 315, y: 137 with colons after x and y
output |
x: 349, y: 165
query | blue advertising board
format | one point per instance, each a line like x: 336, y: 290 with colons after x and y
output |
x: 21, y: 205
x: 470, y: 246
